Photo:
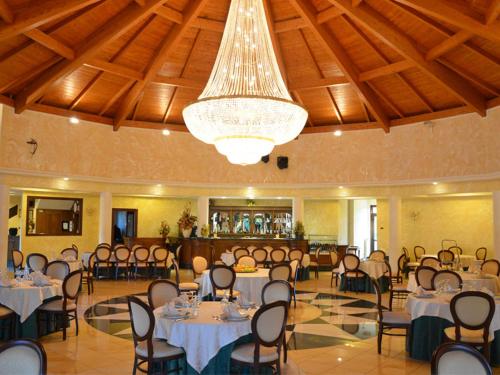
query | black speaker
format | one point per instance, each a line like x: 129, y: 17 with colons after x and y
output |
x: 282, y: 162
x: 265, y: 159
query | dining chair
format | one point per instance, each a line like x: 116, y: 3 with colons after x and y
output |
x: 276, y: 290
x: 70, y: 252
x: 247, y: 260
x: 457, y: 250
x: 222, y: 279
x: 102, y: 260
x: 160, y: 260
x: 409, y: 264
x: 377, y: 255
x: 88, y: 274
x: 352, y: 250
x: 184, y: 286
x: 352, y: 273
x: 281, y: 271
x: 239, y: 252
x: 23, y: 356
x: 294, y: 267
x: 314, y: 264
x: 8, y: 322
x: 454, y: 358
x: 17, y: 259
x: 200, y: 264
x: 57, y: 269
x: 388, y: 320
x: 136, y: 246
x: 178, y: 253
x: 147, y: 349
x: 118, y: 245
x: 334, y: 260
x: 141, y: 260
x: 285, y: 248
x: 37, y: 262
x: 472, y: 313
x: 402, y: 264
x: 431, y: 262
x: 491, y: 267
x: 153, y: 247
x: 296, y: 254
x: 66, y: 308
x: 74, y: 246
x: 251, y: 249
x: 235, y: 247
x: 481, y: 253
x: 446, y: 257
x: 122, y: 256
x: 397, y: 290
x: 419, y: 252
x: 268, y: 329
x: 453, y: 279
x: 161, y: 292
x: 260, y: 255
x: 424, y: 275
x: 104, y: 244
x: 277, y: 256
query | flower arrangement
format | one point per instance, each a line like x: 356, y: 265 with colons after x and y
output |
x: 164, y: 229
x: 299, y: 230
x: 187, y: 221
x: 204, y: 230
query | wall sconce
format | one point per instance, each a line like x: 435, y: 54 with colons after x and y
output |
x: 34, y: 146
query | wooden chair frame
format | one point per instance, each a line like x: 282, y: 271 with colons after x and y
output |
x: 424, y: 268
x: 229, y: 286
x: 32, y: 344
x: 457, y: 346
x: 160, y: 281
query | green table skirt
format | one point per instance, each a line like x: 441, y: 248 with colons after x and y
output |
x: 427, y: 333
x: 303, y: 274
x: 364, y: 284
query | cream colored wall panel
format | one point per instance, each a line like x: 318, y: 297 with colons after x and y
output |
x: 321, y: 217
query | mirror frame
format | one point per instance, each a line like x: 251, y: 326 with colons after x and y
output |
x: 32, y: 197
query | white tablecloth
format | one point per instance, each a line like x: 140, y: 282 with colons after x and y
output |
x: 25, y: 299
x: 439, y: 306
x: 375, y: 269
x: 248, y: 284
x: 476, y: 281
x: 465, y: 260
x: 201, y: 337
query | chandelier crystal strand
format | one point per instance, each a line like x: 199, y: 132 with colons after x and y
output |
x: 245, y: 109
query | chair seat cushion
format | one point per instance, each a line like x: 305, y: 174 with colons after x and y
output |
x: 4, y: 311
x: 413, y: 264
x: 336, y: 270
x: 245, y: 352
x: 467, y: 335
x: 220, y: 293
x: 313, y: 264
x: 188, y: 286
x: 57, y: 305
x: 396, y: 317
x: 160, y: 349
x: 354, y: 274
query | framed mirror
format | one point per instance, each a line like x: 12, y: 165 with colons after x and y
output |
x: 53, y: 216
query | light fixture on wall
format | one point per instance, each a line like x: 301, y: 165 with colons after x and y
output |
x: 435, y: 183
x: 245, y: 109
x: 337, y: 133
x: 165, y: 132
x: 74, y: 120
x: 66, y: 178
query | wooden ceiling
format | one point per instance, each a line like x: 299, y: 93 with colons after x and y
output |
x: 354, y: 64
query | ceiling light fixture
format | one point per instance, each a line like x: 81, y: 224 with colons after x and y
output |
x: 435, y: 183
x: 245, y: 109
x: 337, y: 133
x: 74, y: 120
x: 165, y: 132
x: 65, y: 178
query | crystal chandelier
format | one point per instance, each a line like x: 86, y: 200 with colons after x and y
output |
x: 245, y: 109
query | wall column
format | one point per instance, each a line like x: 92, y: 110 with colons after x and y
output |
x: 105, y: 217
x: 4, y: 225
x: 350, y: 222
x: 203, y: 203
x: 343, y: 222
x: 298, y: 209
x: 496, y: 224
x: 394, y: 249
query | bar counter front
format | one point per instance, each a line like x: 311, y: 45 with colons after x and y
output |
x: 192, y: 247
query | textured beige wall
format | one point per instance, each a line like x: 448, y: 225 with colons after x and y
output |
x: 461, y: 146
x: 152, y: 211
x: 321, y: 217
x: 383, y: 223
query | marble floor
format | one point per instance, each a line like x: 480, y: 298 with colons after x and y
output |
x: 329, y: 332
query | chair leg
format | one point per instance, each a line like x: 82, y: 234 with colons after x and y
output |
x: 76, y: 321
x: 135, y: 366
x: 285, y: 350
x: 336, y: 279
x: 391, y: 295
x: 88, y: 286
x: 379, y: 338
x: 486, y: 352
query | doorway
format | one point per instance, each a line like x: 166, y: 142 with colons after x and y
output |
x: 124, y: 224
x: 373, y: 228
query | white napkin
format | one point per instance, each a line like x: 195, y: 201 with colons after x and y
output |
x: 170, y: 310
x: 39, y: 279
x: 231, y: 311
x: 421, y: 291
x: 5, y: 281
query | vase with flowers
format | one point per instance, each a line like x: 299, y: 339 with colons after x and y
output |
x: 164, y: 229
x: 186, y: 222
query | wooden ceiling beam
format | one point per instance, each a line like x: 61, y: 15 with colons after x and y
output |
x: 117, y: 95
x: 179, y: 82
x: 175, y: 35
x: 69, y: 113
x: 207, y: 24
x: 451, y: 13
x: 342, y: 127
x: 431, y: 116
x: 396, y: 39
x: 51, y: 43
x: 355, y: 3
x: 170, y: 14
x: 6, y: 12
x: 289, y: 25
x: 155, y: 125
x: 448, y: 44
x: 39, y: 13
x: 386, y: 70
x: 492, y: 12
x: 309, y: 84
x: 115, y: 68
x: 141, y: 2
x: 116, y: 27
x: 338, y: 54
x: 328, y: 14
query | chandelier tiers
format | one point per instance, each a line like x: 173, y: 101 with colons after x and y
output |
x: 245, y: 108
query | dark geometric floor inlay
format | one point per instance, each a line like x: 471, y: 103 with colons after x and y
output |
x: 336, y: 320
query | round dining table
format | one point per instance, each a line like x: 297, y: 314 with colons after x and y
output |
x: 207, y: 340
x: 249, y: 285
x: 470, y: 280
x: 374, y: 269
x: 431, y: 316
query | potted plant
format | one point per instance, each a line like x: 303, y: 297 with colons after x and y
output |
x: 299, y: 230
x: 186, y: 222
x: 164, y: 229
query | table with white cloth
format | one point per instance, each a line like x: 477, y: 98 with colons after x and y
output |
x: 74, y: 265
x: 248, y: 284
x: 469, y: 279
x: 430, y: 317
x: 374, y: 269
x: 25, y: 298
x: 465, y: 260
x: 228, y: 257
x: 207, y: 341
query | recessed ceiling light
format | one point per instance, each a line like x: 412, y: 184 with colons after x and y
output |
x: 74, y: 120
x: 222, y: 197
x: 159, y: 185
x: 435, y: 183
x: 165, y: 132
x: 341, y: 187
x: 279, y: 197
x: 66, y: 178
x: 337, y: 133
